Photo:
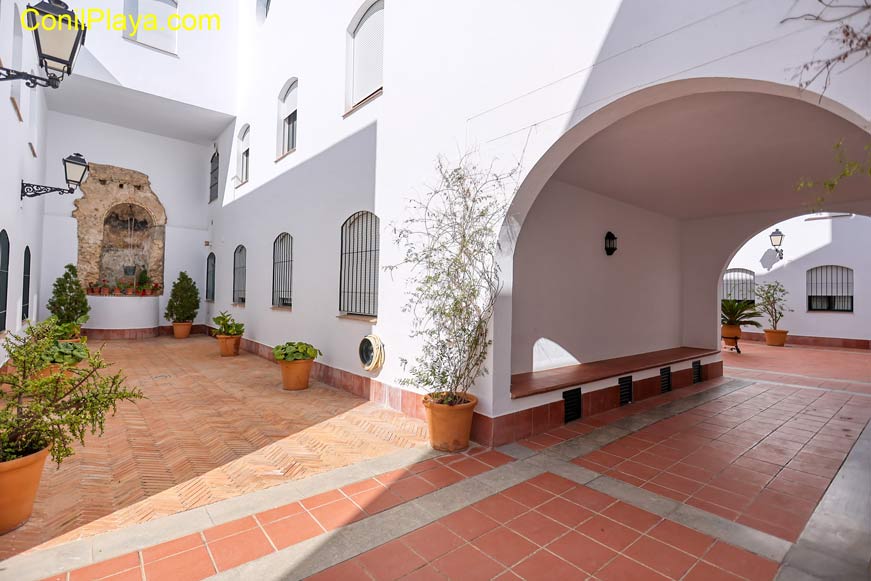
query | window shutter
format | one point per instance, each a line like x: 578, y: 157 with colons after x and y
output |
x: 368, y: 54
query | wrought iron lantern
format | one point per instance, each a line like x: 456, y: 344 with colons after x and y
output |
x: 75, y: 170
x: 610, y: 243
x: 776, y: 241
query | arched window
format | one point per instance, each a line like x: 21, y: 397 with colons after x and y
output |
x: 287, y: 117
x: 210, y: 277
x: 282, y: 270
x: 830, y: 288
x: 358, y: 277
x: 244, y: 157
x: 25, y: 291
x: 4, y: 277
x: 366, y: 53
x: 739, y: 284
x: 239, y: 275
x: 214, y: 170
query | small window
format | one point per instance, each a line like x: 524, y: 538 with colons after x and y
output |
x: 366, y: 53
x: 239, y: 275
x: 739, y: 284
x: 214, y: 169
x: 25, y: 290
x: 830, y: 288
x: 358, y: 278
x: 243, y: 164
x: 160, y: 37
x: 287, y: 111
x: 4, y: 277
x: 282, y: 270
x: 210, y: 277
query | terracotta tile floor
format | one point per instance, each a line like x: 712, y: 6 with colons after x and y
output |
x: 210, y: 429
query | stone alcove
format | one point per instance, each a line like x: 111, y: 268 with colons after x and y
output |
x: 121, y: 223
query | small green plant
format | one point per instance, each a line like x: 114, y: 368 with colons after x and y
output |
x: 772, y: 301
x: 68, y: 302
x: 184, y: 300
x: 738, y: 312
x: 142, y: 279
x: 44, y: 408
x: 227, y: 325
x: 72, y: 329
x: 66, y: 353
x: 295, y: 351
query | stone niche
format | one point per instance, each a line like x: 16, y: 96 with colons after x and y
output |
x: 121, y: 227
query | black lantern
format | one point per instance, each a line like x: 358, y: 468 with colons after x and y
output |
x: 776, y: 240
x: 610, y: 243
x: 75, y: 171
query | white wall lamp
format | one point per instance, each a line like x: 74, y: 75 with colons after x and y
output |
x: 75, y: 169
x: 776, y: 241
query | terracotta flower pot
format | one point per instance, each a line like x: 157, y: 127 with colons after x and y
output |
x: 104, y: 292
x: 19, y: 481
x: 229, y: 345
x: 181, y: 330
x: 730, y: 334
x: 148, y: 292
x: 295, y: 374
x: 775, y: 338
x: 449, y: 425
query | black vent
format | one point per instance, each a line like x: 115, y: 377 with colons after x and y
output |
x: 572, y: 399
x: 665, y: 379
x: 697, y: 371
x: 625, y: 384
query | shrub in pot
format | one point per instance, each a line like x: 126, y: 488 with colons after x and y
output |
x: 48, y: 400
x: 733, y: 314
x: 183, y: 305
x: 771, y: 297
x: 69, y: 304
x: 295, y: 359
x: 229, y: 334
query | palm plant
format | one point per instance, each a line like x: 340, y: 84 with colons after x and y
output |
x: 738, y: 312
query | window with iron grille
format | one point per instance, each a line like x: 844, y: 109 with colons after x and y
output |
x: 739, y: 284
x: 282, y: 270
x: 210, y: 277
x: 358, y: 273
x: 830, y: 288
x: 239, y: 274
x: 4, y: 277
x: 213, y: 177
x: 25, y: 291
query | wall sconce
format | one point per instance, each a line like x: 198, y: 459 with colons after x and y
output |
x: 776, y: 240
x: 610, y: 243
x: 75, y: 171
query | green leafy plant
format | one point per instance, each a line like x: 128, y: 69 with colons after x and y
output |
x: 227, y: 325
x: 41, y: 406
x: 66, y: 353
x: 295, y: 351
x: 71, y: 329
x: 142, y: 279
x: 772, y: 301
x: 184, y: 300
x: 68, y: 301
x: 737, y: 312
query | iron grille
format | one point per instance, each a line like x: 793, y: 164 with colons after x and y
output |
x: 282, y: 270
x: 25, y: 292
x: 573, y: 404
x: 830, y: 288
x: 739, y: 284
x: 625, y: 384
x: 697, y: 371
x: 665, y: 379
x: 239, y: 274
x: 4, y: 276
x: 210, y: 277
x: 213, y: 177
x: 358, y: 270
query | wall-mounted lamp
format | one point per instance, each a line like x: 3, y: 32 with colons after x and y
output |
x: 776, y: 240
x: 610, y: 243
x: 75, y: 170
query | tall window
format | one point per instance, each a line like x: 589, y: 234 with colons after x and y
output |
x: 25, y: 291
x: 15, y: 89
x: 210, y: 277
x: 239, y: 275
x: 4, y: 277
x: 287, y: 117
x: 830, y: 288
x: 358, y: 277
x: 282, y: 270
x: 214, y: 170
x: 366, y: 53
x: 243, y: 162
x: 739, y: 284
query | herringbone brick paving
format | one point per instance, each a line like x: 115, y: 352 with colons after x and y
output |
x: 212, y: 428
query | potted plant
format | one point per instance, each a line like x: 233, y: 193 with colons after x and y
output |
x: 43, y: 414
x: 104, y: 288
x: 295, y: 359
x: 183, y: 305
x: 771, y: 297
x: 450, y: 240
x: 93, y: 288
x: 69, y: 304
x: 229, y: 334
x: 143, y: 282
x: 116, y: 290
x: 63, y: 353
x: 734, y: 314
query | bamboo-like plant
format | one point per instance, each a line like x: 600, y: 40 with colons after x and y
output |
x: 772, y: 301
x: 738, y: 312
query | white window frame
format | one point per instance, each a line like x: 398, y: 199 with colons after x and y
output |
x: 355, y: 98
x: 288, y: 105
x: 162, y: 40
x: 243, y: 156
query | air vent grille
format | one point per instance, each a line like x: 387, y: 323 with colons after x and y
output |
x: 697, y: 371
x: 665, y: 379
x: 625, y: 384
x: 573, y: 406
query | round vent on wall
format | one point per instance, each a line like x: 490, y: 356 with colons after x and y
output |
x: 371, y: 352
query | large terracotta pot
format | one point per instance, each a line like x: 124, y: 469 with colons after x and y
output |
x: 19, y: 481
x: 775, y: 338
x: 295, y: 374
x: 730, y: 334
x: 181, y: 330
x: 229, y: 345
x: 449, y: 425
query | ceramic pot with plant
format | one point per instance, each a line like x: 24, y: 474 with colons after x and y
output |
x: 183, y: 305
x: 46, y: 413
x: 733, y: 314
x: 229, y: 334
x: 771, y: 298
x: 69, y: 304
x: 296, y: 359
x: 105, y: 289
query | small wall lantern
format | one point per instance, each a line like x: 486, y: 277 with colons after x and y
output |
x: 610, y: 243
x: 776, y: 240
x: 75, y: 171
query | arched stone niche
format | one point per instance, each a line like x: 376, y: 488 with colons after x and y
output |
x: 121, y: 223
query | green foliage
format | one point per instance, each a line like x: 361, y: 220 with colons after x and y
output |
x: 771, y: 297
x: 227, y: 325
x: 53, y: 404
x: 143, y: 280
x: 295, y: 350
x: 71, y: 329
x: 66, y: 353
x: 823, y: 189
x: 450, y: 243
x: 184, y: 300
x: 68, y: 302
x: 735, y: 312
